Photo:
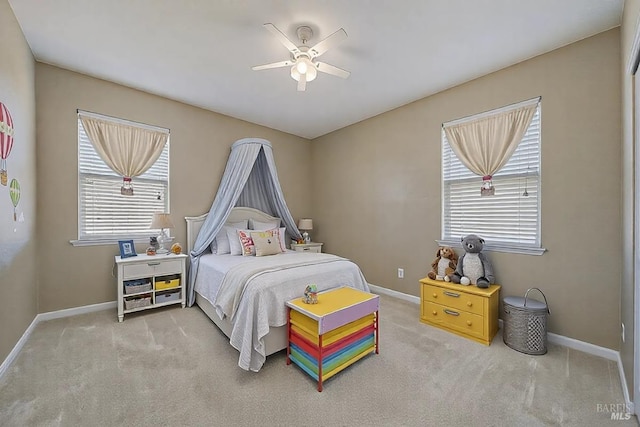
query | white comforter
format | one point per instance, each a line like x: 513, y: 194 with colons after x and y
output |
x: 252, y: 293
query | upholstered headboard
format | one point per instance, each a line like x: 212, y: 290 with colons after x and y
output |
x: 237, y: 214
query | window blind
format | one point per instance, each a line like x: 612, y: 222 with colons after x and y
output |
x: 104, y: 213
x: 508, y: 218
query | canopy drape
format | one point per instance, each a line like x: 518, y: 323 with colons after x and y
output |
x: 485, y: 143
x: 250, y: 179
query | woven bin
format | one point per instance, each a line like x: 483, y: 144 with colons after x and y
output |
x: 525, y: 323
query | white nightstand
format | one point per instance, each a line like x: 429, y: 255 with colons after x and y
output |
x: 146, y: 282
x: 307, y: 247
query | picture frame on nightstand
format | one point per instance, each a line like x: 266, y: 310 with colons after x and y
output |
x: 127, y: 248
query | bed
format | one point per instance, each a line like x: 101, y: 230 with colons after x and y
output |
x: 245, y: 295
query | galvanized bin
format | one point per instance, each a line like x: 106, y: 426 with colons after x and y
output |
x: 525, y: 323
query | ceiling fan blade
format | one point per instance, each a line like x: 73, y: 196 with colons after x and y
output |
x: 333, y: 70
x: 324, y: 45
x: 272, y: 65
x: 283, y: 39
x: 302, y: 83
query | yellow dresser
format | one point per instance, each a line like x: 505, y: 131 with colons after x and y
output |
x: 468, y: 311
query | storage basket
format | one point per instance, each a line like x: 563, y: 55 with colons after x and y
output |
x: 167, y: 282
x: 134, y: 286
x: 137, y: 302
x: 525, y: 323
x: 168, y: 297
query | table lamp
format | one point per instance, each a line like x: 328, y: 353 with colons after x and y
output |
x: 162, y: 222
x: 305, y: 224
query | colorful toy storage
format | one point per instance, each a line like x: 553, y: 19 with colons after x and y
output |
x: 339, y: 330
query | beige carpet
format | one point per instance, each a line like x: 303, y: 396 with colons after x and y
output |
x: 172, y: 367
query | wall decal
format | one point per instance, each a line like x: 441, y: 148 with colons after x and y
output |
x: 14, y: 193
x: 6, y: 141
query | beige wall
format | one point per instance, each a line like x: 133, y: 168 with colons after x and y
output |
x: 18, y: 305
x: 377, y: 195
x: 200, y: 145
x: 628, y: 31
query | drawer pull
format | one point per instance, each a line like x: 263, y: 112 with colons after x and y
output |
x: 306, y: 249
x: 435, y: 313
x: 435, y: 295
x: 152, y: 263
x: 451, y: 294
x: 469, y: 304
x: 468, y: 322
x: 451, y: 312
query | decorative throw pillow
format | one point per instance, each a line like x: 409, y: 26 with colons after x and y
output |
x: 220, y: 244
x: 283, y: 242
x: 266, y: 242
x: 246, y: 242
x: 234, y: 241
x: 262, y: 226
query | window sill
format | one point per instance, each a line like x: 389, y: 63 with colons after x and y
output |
x: 499, y: 247
x: 106, y: 242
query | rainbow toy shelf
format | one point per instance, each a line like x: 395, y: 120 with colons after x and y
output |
x: 339, y: 330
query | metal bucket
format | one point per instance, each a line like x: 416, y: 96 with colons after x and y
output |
x: 525, y: 323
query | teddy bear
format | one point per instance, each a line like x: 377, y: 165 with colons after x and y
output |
x: 473, y: 266
x: 444, y: 265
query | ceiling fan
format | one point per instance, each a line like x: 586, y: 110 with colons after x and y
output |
x: 304, y: 64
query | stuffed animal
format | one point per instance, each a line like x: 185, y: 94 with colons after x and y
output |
x: 473, y: 267
x: 444, y: 265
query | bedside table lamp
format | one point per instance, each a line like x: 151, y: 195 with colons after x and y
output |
x: 162, y: 221
x: 305, y: 224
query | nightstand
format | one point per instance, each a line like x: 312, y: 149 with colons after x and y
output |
x: 146, y: 282
x: 307, y: 247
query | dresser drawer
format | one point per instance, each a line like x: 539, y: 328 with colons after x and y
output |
x: 460, y: 301
x: 317, y: 248
x: 449, y: 317
x: 152, y: 268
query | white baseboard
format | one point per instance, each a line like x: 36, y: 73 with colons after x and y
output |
x: 50, y: 316
x: 385, y: 291
x: 16, y: 349
x: 572, y: 343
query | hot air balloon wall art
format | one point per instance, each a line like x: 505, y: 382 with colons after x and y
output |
x: 6, y: 141
x: 14, y: 193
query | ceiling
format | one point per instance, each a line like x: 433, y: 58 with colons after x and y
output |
x: 201, y: 51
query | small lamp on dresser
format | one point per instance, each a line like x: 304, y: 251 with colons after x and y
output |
x: 162, y: 221
x: 305, y: 224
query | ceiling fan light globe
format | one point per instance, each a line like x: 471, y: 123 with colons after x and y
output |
x: 311, y: 73
x: 295, y: 75
x: 301, y: 66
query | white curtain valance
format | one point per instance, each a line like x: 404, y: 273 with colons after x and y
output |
x: 127, y: 149
x: 484, y: 143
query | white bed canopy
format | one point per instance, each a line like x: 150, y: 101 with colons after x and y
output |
x: 250, y: 179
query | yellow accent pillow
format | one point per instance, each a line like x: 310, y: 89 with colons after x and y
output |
x: 266, y: 242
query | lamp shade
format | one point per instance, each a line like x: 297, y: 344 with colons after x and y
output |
x: 161, y: 220
x: 305, y: 224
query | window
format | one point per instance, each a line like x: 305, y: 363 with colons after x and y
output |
x: 508, y: 221
x: 104, y: 214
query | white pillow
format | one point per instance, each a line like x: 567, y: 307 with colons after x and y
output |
x: 263, y: 226
x: 220, y: 244
x: 234, y: 240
